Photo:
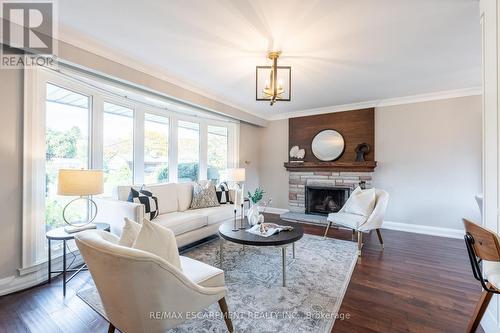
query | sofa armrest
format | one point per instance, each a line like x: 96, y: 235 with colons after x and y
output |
x: 114, y: 211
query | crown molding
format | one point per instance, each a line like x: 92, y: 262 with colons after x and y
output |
x: 74, y: 38
x: 473, y: 91
x: 77, y: 39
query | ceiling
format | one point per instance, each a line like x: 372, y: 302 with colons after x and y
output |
x: 341, y: 52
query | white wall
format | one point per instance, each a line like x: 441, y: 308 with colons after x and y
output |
x: 429, y: 157
x: 249, y: 154
x: 273, y: 150
x: 429, y: 160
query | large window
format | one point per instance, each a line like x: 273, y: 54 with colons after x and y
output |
x: 156, y: 134
x: 188, y: 151
x: 67, y: 118
x: 118, y: 146
x: 71, y: 124
x: 217, y: 149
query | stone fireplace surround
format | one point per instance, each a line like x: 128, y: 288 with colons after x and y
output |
x: 298, y: 180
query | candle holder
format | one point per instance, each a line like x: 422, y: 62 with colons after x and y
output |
x: 235, y: 226
x: 242, y: 222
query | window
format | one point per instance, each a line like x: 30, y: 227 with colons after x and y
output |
x: 156, y: 134
x: 66, y: 147
x: 75, y: 125
x: 188, y: 151
x: 118, y: 146
x: 217, y: 149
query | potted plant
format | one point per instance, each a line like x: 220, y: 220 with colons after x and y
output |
x: 253, y: 212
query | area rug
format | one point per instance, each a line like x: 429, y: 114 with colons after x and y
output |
x: 316, y: 282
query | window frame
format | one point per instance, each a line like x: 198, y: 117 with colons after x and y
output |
x: 34, y: 250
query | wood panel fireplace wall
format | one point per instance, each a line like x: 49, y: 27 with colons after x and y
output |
x: 357, y: 126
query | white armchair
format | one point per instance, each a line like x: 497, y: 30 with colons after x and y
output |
x: 138, y: 288
x: 359, y: 223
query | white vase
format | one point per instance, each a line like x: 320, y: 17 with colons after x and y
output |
x: 253, y: 214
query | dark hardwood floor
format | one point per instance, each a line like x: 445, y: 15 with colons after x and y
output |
x: 417, y: 284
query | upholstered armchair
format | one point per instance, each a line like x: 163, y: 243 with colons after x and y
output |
x: 359, y: 223
x: 139, y: 289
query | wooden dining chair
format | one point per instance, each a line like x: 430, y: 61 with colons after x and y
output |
x: 483, y: 247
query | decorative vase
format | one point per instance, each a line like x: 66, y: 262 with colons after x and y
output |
x: 253, y: 214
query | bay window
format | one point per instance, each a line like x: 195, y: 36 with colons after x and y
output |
x: 217, y: 151
x: 71, y: 124
x: 188, y: 166
x: 156, y: 138
x: 67, y: 118
x: 118, y: 146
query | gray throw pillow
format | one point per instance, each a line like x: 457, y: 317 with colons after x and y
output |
x: 204, y: 195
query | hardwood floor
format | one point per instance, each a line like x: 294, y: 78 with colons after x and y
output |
x: 418, y: 283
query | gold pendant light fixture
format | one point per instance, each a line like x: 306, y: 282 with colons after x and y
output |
x: 273, y: 83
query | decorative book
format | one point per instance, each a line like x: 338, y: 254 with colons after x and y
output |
x: 268, y: 229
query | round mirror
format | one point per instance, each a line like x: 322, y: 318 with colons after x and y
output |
x: 328, y: 145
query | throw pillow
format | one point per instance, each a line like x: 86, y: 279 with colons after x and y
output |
x: 222, y: 191
x: 156, y: 239
x: 146, y: 198
x: 204, y: 195
x: 130, y: 231
x: 361, y: 202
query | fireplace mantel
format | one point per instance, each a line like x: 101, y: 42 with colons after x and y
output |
x: 368, y: 166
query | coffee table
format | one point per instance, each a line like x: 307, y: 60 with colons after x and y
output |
x: 282, y: 239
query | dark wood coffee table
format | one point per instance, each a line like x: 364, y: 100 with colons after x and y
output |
x: 282, y: 239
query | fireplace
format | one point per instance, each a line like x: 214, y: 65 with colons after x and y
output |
x: 322, y: 200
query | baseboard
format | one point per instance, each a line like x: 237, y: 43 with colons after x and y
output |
x: 273, y: 210
x: 424, y: 229
x: 33, y: 276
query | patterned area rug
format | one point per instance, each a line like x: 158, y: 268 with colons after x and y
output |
x: 316, y: 282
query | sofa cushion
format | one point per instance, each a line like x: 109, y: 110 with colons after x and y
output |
x: 130, y: 231
x: 346, y: 219
x: 216, y: 214
x: 361, y: 202
x: 204, y: 195
x: 167, y: 197
x: 156, y: 239
x: 222, y: 191
x: 181, y: 222
x: 147, y: 199
x: 184, y: 195
x: 122, y: 192
x: 201, y: 273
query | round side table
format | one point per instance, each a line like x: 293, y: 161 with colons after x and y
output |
x: 59, y: 234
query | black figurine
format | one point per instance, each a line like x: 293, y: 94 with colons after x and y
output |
x: 361, y: 150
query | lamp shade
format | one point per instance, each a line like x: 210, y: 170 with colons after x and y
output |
x: 235, y: 175
x: 78, y: 182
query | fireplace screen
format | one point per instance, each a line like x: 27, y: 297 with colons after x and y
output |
x: 325, y: 200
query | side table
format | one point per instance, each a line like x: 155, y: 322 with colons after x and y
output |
x: 60, y: 234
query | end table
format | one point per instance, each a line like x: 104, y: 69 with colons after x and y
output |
x: 60, y: 234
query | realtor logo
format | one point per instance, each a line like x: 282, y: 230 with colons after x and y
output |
x: 28, y: 33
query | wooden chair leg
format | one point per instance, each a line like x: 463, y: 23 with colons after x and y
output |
x: 111, y: 328
x: 360, y: 242
x: 225, y: 312
x: 481, y: 306
x: 327, y: 228
x: 379, y: 234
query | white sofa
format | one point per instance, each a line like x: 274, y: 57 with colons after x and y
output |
x: 174, y: 200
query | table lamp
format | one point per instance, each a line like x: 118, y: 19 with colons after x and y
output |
x: 237, y: 175
x: 84, y: 184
